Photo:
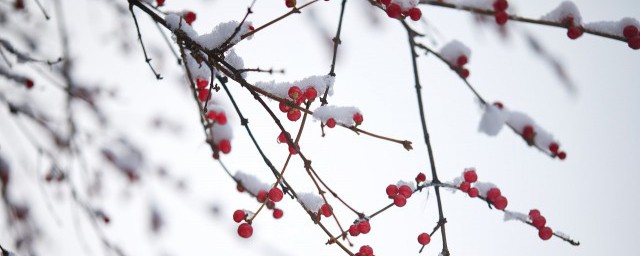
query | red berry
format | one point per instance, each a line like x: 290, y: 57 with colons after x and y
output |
x: 528, y: 133
x: 545, y: 233
x: 239, y: 215
x: 310, y: 93
x: 533, y: 213
x: 385, y: 2
x: 262, y: 196
x: 331, y: 123
x: 326, y: 210
x: 159, y: 3
x: 18, y: 4
x: 498, y: 104
x: 277, y: 213
x: 364, y: 227
x: 28, y: 83
x: 634, y: 42
x: 293, y: 115
x: 500, y: 202
x: 500, y: 5
x: 201, y: 83
x: 189, y: 17
x: 290, y: 3
x: 465, y: 186
x: 421, y: 177
x: 501, y: 17
x: 282, y: 138
x: 464, y: 73
x: 424, y: 239
x: 553, y: 147
x: 392, y: 190
x: 292, y: 150
x: 405, y: 191
x: 240, y: 188
x: 203, y: 94
x: 470, y: 176
x: 221, y: 118
x: 415, y: 14
x: 568, y: 21
x: 357, y: 117
x: 251, y: 28
x: 245, y: 230
x: 353, y: 230
x: 394, y: 11
x: 462, y: 60
x: 366, y: 250
x: 400, y: 200
x: 562, y: 155
x: 473, y: 192
x: 271, y: 205
x: 539, y: 221
x: 493, y: 193
x: 574, y: 32
x: 295, y: 92
x: 225, y: 146
x: 630, y: 31
x: 275, y: 194
x: 211, y: 115
x: 284, y: 107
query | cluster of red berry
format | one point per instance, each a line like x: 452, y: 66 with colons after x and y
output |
x: 357, y: 118
x: 245, y: 230
x: 459, y: 66
x: 500, y: 11
x: 633, y: 37
x: 494, y: 195
x: 298, y: 97
x: 360, y: 227
x: 365, y: 250
x: 529, y: 134
x: 395, y: 11
x: 540, y: 222
x: 399, y: 194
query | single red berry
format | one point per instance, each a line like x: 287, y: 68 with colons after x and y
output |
x: 251, y: 28
x: 533, y: 213
x: 421, y: 177
x: 292, y: 150
x: 528, y: 133
x: 331, y: 123
x: 394, y: 11
x: 364, y: 227
x: 415, y: 14
x: 275, y: 194
x: 159, y: 3
x: 473, y: 192
x: 562, y: 155
x: 539, y: 221
x: 470, y: 176
x: 545, y: 233
x: 500, y: 202
x: 424, y: 239
x: 295, y: 92
x: 282, y: 138
x: 366, y: 250
x: 290, y: 3
x: 357, y: 117
x: 310, y: 93
x: 28, y: 83
x: 392, y: 190
x: 630, y: 31
x: 553, y: 147
x: 277, y: 213
x: 189, y: 17
x: 221, y: 118
x: 462, y: 60
x: 400, y: 200
x: 262, y: 196
x: 353, y: 230
x: 498, y: 104
x: 293, y: 115
x: 464, y: 73
x: 574, y: 32
x: 284, y: 107
x: 405, y: 191
x: 245, y: 230
x: 493, y: 193
x: 18, y: 4
x: 239, y: 215
x: 501, y: 17
x: 634, y: 42
x: 465, y: 186
x: 240, y: 188
x: 326, y: 210
x: 500, y: 5
x: 211, y: 115
x: 201, y: 83
x: 225, y: 146
x: 203, y: 94
x: 385, y: 2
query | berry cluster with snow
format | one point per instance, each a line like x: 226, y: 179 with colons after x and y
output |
x: 400, y: 9
x: 332, y: 115
x: 456, y: 54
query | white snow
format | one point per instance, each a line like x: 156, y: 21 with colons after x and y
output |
x: 198, y: 70
x: 493, y: 120
x: 175, y: 22
x: 236, y: 61
x: 512, y: 215
x: 406, y: 5
x: 342, y: 115
x: 410, y: 184
x: 612, y: 27
x: 251, y: 183
x: 221, y: 33
x: 483, y: 187
x: 519, y: 120
x: 221, y: 132
x: 480, y: 4
x: 310, y: 201
x: 320, y: 83
x: 454, y: 49
x: 564, y: 10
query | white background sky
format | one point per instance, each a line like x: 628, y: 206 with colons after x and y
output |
x: 590, y: 196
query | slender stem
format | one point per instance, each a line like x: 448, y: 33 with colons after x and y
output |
x: 336, y: 42
x: 144, y: 50
x: 294, y: 10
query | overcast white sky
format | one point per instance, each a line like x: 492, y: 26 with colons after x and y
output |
x: 590, y: 196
